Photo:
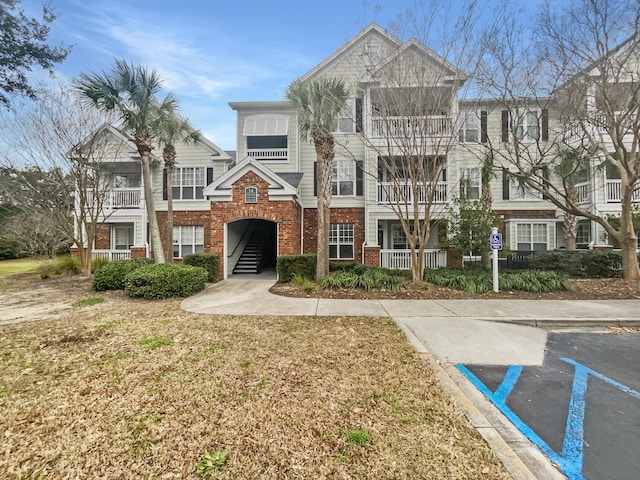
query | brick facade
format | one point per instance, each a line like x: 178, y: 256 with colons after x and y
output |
x: 337, y: 215
x: 287, y: 214
x: 183, y: 218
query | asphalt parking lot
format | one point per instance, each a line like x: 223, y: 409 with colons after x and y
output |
x: 581, y: 407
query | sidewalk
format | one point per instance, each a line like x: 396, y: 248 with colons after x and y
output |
x: 447, y: 332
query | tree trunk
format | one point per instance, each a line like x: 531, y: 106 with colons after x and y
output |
x: 169, y: 214
x: 628, y: 239
x: 570, y: 241
x: 417, y: 265
x: 154, y: 230
x: 324, y: 200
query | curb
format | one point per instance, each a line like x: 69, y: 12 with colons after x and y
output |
x: 563, y: 322
x: 518, y: 455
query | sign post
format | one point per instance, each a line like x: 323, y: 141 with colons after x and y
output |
x: 496, y: 244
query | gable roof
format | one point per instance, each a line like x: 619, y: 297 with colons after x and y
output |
x: 279, y: 185
x: 372, y: 27
x: 453, y: 72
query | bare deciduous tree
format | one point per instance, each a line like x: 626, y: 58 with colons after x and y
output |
x: 72, y: 144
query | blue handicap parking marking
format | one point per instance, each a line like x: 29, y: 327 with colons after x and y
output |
x: 570, y: 461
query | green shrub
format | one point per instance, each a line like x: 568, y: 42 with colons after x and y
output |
x: 303, y: 283
x: 8, y: 249
x: 481, y: 281
x: 581, y: 263
x: 65, y: 264
x: 112, y: 275
x: 288, y: 266
x: 370, y: 278
x: 98, y: 263
x: 165, y: 280
x: 208, y: 261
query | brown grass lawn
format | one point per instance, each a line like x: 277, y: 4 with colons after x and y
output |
x: 138, y: 389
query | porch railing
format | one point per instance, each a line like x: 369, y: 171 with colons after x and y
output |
x: 401, y: 259
x: 111, y: 255
x: 394, y: 193
x: 268, y: 153
x: 429, y: 126
x: 123, y: 198
x: 614, y: 191
x: 584, y: 194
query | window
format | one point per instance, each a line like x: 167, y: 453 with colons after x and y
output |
x: 527, y: 127
x: 341, y: 241
x: 188, y: 183
x: 251, y: 195
x: 398, y: 237
x: 470, y: 130
x: 188, y: 239
x: 122, y: 237
x: 343, y: 180
x: 470, y: 183
x: 130, y: 180
x: 531, y: 236
x: 346, y: 120
x: 583, y: 234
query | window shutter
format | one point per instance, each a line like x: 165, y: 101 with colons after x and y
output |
x: 544, y: 120
x: 545, y: 176
x: 505, y: 184
x: 358, y: 115
x: 315, y: 179
x: 209, y: 175
x: 484, y: 132
x: 164, y: 183
x: 359, y: 179
x: 505, y: 126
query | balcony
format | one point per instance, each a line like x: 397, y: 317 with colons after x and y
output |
x: 613, y: 191
x: 123, y: 198
x: 401, y: 259
x: 403, y: 193
x: 411, y: 127
x: 269, y: 154
x: 584, y: 192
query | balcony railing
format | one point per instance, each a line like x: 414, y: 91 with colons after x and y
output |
x: 401, y: 193
x: 268, y: 153
x: 111, y: 255
x: 401, y: 259
x: 123, y: 198
x: 613, y: 191
x: 411, y: 127
x: 584, y: 193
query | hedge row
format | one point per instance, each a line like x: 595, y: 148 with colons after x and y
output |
x: 580, y: 263
x: 145, y: 279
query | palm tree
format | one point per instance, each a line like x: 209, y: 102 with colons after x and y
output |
x: 318, y: 103
x: 175, y: 129
x: 130, y: 91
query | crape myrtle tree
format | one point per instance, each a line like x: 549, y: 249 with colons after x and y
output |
x: 580, y: 61
x: 414, y: 119
x: 55, y: 154
x: 318, y: 103
x: 131, y: 91
x: 23, y: 46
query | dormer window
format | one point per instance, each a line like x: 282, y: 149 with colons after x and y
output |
x: 372, y: 54
x: 251, y: 195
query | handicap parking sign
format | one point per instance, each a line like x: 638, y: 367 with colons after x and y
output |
x: 496, y: 241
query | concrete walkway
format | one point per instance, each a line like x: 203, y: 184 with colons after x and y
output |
x: 493, y: 332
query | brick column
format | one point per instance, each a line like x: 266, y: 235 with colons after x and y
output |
x: 138, y: 252
x: 454, y: 259
x: 372, y: 255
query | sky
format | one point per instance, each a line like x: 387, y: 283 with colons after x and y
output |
x: 210, y: 52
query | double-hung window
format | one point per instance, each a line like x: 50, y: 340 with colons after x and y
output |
x: 187, y: 239
x: 347, y: 118
x: 532, y: 236
x: 470, y: 183
x: 527, y: 126
x: 341, y: 241
x: 343, y: 179
x: 470, y: 129
x: 188, y: 183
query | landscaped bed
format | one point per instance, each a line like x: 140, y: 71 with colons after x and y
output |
x: 130, y: 388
